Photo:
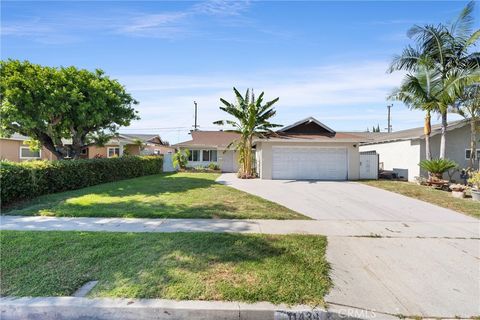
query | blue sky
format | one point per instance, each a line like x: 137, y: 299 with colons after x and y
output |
x: 323, y: 59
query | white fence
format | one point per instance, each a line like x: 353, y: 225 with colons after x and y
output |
x: 368, y: 165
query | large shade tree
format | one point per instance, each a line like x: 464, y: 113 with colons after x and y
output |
x: 51, y: 105
x: 251, y: 118
x: 450, y: 48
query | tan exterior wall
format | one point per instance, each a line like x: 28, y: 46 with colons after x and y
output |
x: 265, y: 156
x: 10, y: 150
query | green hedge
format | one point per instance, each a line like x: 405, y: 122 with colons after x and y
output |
x: 30, y: 179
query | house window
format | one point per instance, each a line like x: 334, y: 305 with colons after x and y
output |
x: 156, y: 152
x: 26, y: 153
x: 84, y: 152
x: 468, y: 153
x: 194, y: 155
x: 209, y: 155
x: 113, y: 152
x: 213, y: 155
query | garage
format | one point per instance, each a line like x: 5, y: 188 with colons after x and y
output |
x: 309, y: 163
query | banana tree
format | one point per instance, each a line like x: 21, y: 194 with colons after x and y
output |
x: 251, y: 118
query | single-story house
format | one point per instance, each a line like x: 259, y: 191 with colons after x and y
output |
x: 307, y: 149
x: 16, y: 149
x: 212, y: 147
x: 151, y: 144
x: 402, y: 151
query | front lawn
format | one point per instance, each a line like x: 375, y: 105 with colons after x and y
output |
x: 195, y: 266
x: 427, y: 194
x: 178, y: 195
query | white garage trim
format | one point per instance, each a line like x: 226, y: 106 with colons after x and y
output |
x: 310, y: 163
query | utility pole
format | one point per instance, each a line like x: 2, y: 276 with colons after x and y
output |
x: 195, y: 127
x: 389, y: 128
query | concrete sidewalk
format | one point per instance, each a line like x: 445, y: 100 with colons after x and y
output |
x: 328, y: 228
x: 67, y: 308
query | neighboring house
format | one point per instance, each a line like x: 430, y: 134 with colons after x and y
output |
x: 15, y: 148
x: 306, y: 149
x: 128, y: 144
x: 212, y: 147
x: 402, y: 151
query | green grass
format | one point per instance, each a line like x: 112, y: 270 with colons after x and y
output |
x: 428, y: 194
x: 179, y: 195
x: 288, y: 269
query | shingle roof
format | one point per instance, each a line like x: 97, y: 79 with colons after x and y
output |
x: 300, y: 137
x: 408, y: 134
x: 214, y: 139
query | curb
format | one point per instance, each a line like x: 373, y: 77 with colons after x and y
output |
x: 65, y: 308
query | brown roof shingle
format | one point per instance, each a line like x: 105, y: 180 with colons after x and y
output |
x: 214, y: 139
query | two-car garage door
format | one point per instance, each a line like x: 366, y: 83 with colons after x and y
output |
x: 309, y: 163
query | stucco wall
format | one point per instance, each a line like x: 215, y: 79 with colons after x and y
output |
x: 10, y: 150
x: 222, y: 156
x: 402, y: 157
x: 457, y: 141
x: 265, y: 160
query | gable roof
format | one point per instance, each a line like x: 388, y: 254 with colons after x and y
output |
x: 408, y: 134
x: 308, y: 120
x: 150, y: 138
x: 310, y: 130
x: 209, y: 139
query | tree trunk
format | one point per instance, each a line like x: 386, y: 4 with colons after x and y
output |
x: 47, y: 142
x: 443, y: 137
x: 427, y: 130
x: 473, y: 142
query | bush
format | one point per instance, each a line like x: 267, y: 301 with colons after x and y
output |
x: 436, y: 167
x: 475, y: 179
x: 213, y: 166
x: 30, y: 179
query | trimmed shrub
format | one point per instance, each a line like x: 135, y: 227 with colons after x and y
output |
x: 30, y: 179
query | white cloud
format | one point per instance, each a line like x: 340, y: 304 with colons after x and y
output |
x: 347, y: 97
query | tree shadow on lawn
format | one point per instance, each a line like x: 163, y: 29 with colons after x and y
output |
x: 197, y: 266
x: 154, y: 185
x: 140, y: 209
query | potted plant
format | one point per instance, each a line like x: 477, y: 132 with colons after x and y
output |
x: 475, y: 181
x: 458, y: 190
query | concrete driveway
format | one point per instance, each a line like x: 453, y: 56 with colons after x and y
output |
x: 333, y: 200
x: 396, y: 256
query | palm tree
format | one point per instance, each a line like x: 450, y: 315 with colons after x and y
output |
x: 251, y: 119
x: 449, y: 48
x: 468, y: 106
x: 420, y: 91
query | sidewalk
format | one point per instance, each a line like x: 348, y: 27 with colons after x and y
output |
x: 160, y: 309
x: 342, y: 228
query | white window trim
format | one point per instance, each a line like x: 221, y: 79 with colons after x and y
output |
x: 108, y: 151
x: 478, y: 154
x: 29, y: 158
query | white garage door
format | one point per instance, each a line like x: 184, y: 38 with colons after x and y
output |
x: 309, y: 163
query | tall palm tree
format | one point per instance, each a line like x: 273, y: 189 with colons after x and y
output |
x: 449, y: 47
x: 251, y: 119
x: 419, y: 91
x: 468, y: 106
